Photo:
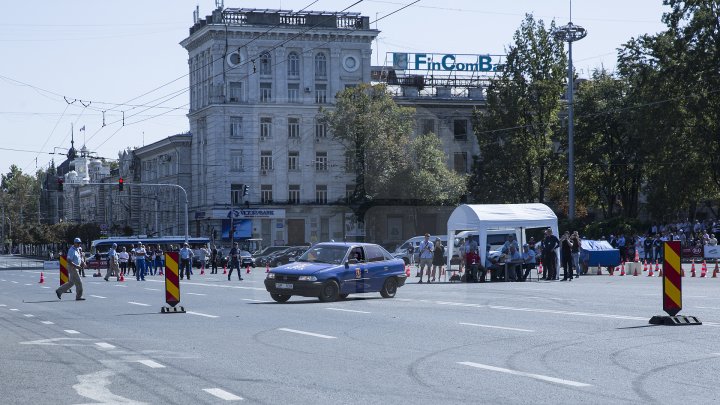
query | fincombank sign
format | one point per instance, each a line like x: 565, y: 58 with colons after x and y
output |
x: 448, y: 62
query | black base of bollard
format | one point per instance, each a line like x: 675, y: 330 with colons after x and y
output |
x: 172, y: 310
x: 678, y: 320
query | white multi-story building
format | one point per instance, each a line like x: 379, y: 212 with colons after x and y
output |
x: 258, y: 79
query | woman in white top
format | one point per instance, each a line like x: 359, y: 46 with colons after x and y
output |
x: 123, y: 257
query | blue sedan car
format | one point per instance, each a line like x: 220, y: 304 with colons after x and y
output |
x: 333, y: 270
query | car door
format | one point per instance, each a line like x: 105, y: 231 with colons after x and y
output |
x: 377, y: 268
x: 352, y: 276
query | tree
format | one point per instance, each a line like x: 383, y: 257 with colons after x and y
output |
x: 516, y: 132
x: 19, y: 199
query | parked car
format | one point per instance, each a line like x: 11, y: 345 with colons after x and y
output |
x: 260, y: 257
x: 92, y: 262
x: 333, y: 270
x: 286, y: 256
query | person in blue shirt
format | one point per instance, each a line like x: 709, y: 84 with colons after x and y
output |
x: 113, y: 263
x: 528, y: 257
x: 75, y: 262
x: 186, y: 255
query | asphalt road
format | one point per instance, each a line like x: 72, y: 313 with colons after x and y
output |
x: 586, y: 341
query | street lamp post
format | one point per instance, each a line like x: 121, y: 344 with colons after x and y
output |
x: 570, y: 33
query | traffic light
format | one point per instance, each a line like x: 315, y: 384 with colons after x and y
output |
x: 121, y: 184
x: 60, y: 182
x: 245, y: 190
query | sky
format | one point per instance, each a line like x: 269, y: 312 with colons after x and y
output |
x: 84, y: 63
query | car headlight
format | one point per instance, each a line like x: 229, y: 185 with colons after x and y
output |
x: 271, y: 275
x: 307, y: 278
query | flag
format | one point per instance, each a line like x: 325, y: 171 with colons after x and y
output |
x: 83, y: 128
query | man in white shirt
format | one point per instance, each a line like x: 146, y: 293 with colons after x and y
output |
x: 75, y: 261
x: 123, y: 257
x: 140, y: 270
x: 186, y: 255
x: 426, y: 256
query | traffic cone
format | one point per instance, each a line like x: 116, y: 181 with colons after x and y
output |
x: 622, y: 270
x: 715, y: 272
x: 224, y: 269
x: 703, y: 270
x: 407, y: 271
x: 611, y: 270
x: 637, y: 256
x: 645, y: 267
x: 657, y: 269
x: 540, y: 269
x: 202, y: 271
x: 692, y: 269
x: 42, y: 278
x: 247, y: 269
x: 267, y: 268
x: 650, y: 272
x: 122, y: 277
x: 635, y: 273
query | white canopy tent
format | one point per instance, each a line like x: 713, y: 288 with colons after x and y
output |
x: 484, y: 217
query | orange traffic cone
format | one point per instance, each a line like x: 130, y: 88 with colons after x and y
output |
x: 122, y: 277
x: 635, y: 273
x: 692, y: 269
x: 650, y: 272
x: 637, y: 256
x: 645, y: 267
x: 703, y: 270
x: 657, y: 269
x: 247, y: 269
x: 267, y: 268
x: 407, y: 270
x: 622, y: 269
x: 202, y: 271
x: 224, y: 269
x: 715, y: 272
x: 42, y: 278
x: 540, y: 269
x: 611, y: 270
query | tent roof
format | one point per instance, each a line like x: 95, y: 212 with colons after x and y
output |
x: 470, y: 217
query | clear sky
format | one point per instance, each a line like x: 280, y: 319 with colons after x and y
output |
x: 65, y: 62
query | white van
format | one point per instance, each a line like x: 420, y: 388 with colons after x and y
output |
x: 402, y: 251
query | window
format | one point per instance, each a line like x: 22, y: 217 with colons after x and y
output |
x: 349, y: 161
x: 265, y: 128
x: 236, y: 194
x: 427, y: 126
x: 265, y: 92
x: 293, y: 66
x: 460, y: 129
x: 266, y: 160
x: 235, y: 92
x: 460, y: 162
x: 266, y: 193
x: 320, y: 129
x: 321, y: 161
x: 293, y: 127
x: 294, y: 194
x: 236, y: 127
x: 320, y: 65
x: 293, y: 93
x: 320, y: 93
x: 293, y: 158
x: 265, y: 63
x: 321, y: 194
x: 349, y: 191
x: 236, y: 161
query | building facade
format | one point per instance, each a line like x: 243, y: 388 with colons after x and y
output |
x: 258, y: 79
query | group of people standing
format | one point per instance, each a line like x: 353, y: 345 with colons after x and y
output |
x: 432, y: 256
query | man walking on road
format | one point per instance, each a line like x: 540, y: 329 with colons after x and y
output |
x: 113, y: 263
x: 75, y: 261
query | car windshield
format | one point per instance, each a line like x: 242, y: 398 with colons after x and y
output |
x: 324, y: 254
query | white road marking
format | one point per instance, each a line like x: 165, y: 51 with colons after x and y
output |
x: 14, y: 282
x: 48, y: 323
x: 348, y: 310
x: 119, y: 285
x: 3, y: 305
x: 524, y: 374
x: 250, y: 299
x: 104, y: 345
x: 45, y: 287
x: 150, y: 363
x: 307, y: 333
x: 71, y: 332
x: 98, y: 296
x: 152, y: 289
x: 708, y: 307
x: 94, y: 386
x: 496, y: 327
x: 138, y: 303
x: 222, y: 394
x: 29, y: 315
x: 14, y: 309
x: 28, y: 284
x: 201, y: 314
x: 195, y: 294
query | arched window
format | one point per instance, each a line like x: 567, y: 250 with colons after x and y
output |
x: 293, y: 64
x: 320, y: 65
x: 265, y: 63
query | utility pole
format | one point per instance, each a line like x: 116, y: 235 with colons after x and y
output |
x: 570, y: 33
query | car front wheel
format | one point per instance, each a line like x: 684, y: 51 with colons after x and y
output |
x: 330, y: 291
x: 389, y: 288
x: 280, y: 297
